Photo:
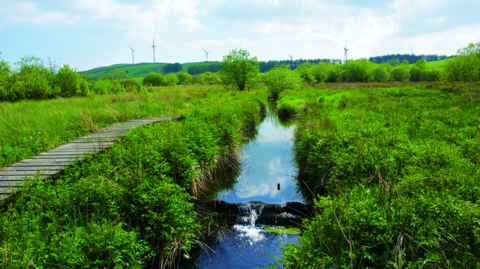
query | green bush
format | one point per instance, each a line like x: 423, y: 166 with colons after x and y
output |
x: 184, y: 78
x: 400, y: 73
x: 320, y: 71
x: 69, y: 81
x: 171, y: 80
x: 281, y: 78
x: 463, y: 68
x: 29, y: 83
x: 107, y: 86
x: 306, y: 72
x: 154, y: 79
x: 355, y: 71
x: 379, y: 74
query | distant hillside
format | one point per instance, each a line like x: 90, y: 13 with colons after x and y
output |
x: 439, y: 64
x: 136, y: 70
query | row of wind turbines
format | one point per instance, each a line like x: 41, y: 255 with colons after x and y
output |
x: 207, y: 52
x: 153, y: 47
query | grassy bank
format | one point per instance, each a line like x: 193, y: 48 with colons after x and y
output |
x: 397, y: 171
x: 33, y: 126
x: 132, y: 204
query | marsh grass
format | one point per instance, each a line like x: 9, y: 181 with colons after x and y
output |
x: 131, y: 205
x: 34, y: 126
x: 398, y: 171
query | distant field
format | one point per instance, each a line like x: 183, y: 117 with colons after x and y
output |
x: 438, y: 64
x: 137, y: 70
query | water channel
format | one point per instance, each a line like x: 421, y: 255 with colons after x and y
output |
x: 266, y: 182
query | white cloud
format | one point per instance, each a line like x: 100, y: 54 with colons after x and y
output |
x: 191, y: 25
x: 171, y: 47
x: 30, y: 13
x: 228, y: 43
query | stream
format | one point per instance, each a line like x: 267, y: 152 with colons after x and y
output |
x: 262, y: 189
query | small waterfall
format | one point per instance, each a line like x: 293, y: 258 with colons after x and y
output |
x: 248, y: 214
x: 246, y: 221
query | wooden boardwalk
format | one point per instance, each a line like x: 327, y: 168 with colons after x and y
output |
x: 50, y: 163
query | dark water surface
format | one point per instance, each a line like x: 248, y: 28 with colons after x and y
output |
x: 267, y: 162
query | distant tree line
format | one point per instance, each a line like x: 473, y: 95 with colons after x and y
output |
x: 411, y: 58
x: 199, y: 69
x: 293, y: 64
x: 172, y: 68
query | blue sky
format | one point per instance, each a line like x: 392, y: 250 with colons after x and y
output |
x: 91, y: 33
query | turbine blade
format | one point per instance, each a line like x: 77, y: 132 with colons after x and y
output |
x: 204, y: 50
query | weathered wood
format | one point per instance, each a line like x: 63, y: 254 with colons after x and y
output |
x: 52, y: 163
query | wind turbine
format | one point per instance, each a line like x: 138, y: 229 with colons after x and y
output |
x: 133, y: 58
x: 206, y: 53
x: 345, y: 48
x: 291, y: 56
x: 153, y: 46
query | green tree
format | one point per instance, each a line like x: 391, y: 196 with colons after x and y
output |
x: 184, y: 78
x: 69, y: 81
x: 320, y: 71
x: 400, y: 73
x: 171, y: 80
x: 415, y: 74
x: 379, y: 73
x: 306, y: 72
x: 463, y: 68
x: 116, y: 74
x: 239, y: 69
x: 281, y: 78
x: 420, y: 64
x: 154, y: 79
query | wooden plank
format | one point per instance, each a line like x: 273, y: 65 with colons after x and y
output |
x: 33, y: 168
x: 51, y: 163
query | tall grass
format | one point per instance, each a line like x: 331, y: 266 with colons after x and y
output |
x: 132, y: 205
x: 398, y: 171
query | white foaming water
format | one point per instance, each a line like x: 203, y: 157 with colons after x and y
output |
x: 248, y: 229
x: 253, y: 234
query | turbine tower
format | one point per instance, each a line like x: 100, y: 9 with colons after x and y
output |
x: 133, y: 58
x: 206, y: 53
x: 291, y: 56
x: 153, y: 46
x: 345, y: 48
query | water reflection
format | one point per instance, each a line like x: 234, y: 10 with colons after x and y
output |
x: 267, y: 162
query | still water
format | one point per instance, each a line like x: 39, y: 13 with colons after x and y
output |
x: 266, y: 162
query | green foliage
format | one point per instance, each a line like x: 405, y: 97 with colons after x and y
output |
x: 416, y: 74
x: 379, y: 73
x: 463, y: 68
x: 238, y: 69
x: 400, y: 73
x: 397, y: 171
x: 171, y: 80
x: 355, y: 71
x: 172, y: 68
x: 281, y: 78
x: 320, y: 71
x: 107, y: 86
x: 70, y: 82
x: 184, y: 78
x: 132, y: 203
x: 154, y: 79
x: 115, y: 74
x: 306, y: 72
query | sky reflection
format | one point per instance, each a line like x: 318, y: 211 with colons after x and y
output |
x: 267, y: 161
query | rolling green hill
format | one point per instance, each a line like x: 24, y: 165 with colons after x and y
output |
x: 438, y: 64
x: 136, y: 70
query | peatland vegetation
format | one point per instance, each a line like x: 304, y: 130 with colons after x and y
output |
x: 132, y: 205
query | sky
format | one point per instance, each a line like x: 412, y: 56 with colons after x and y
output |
x: 90, y: 33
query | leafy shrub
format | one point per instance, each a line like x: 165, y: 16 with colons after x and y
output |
x: 107, y: 86
x: 400, y: 73
x: 171, y: 80
x: 30, y: 83
x: 320, y: 71
x: 184, y: 78
x: 379, y: 74
x: 463, y: 68
x: 354, y: 71
x: 69, y: 81
x: 154, y: 79
x: 281, y: 78
x: 306, y: 72
x: 416, y: 74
